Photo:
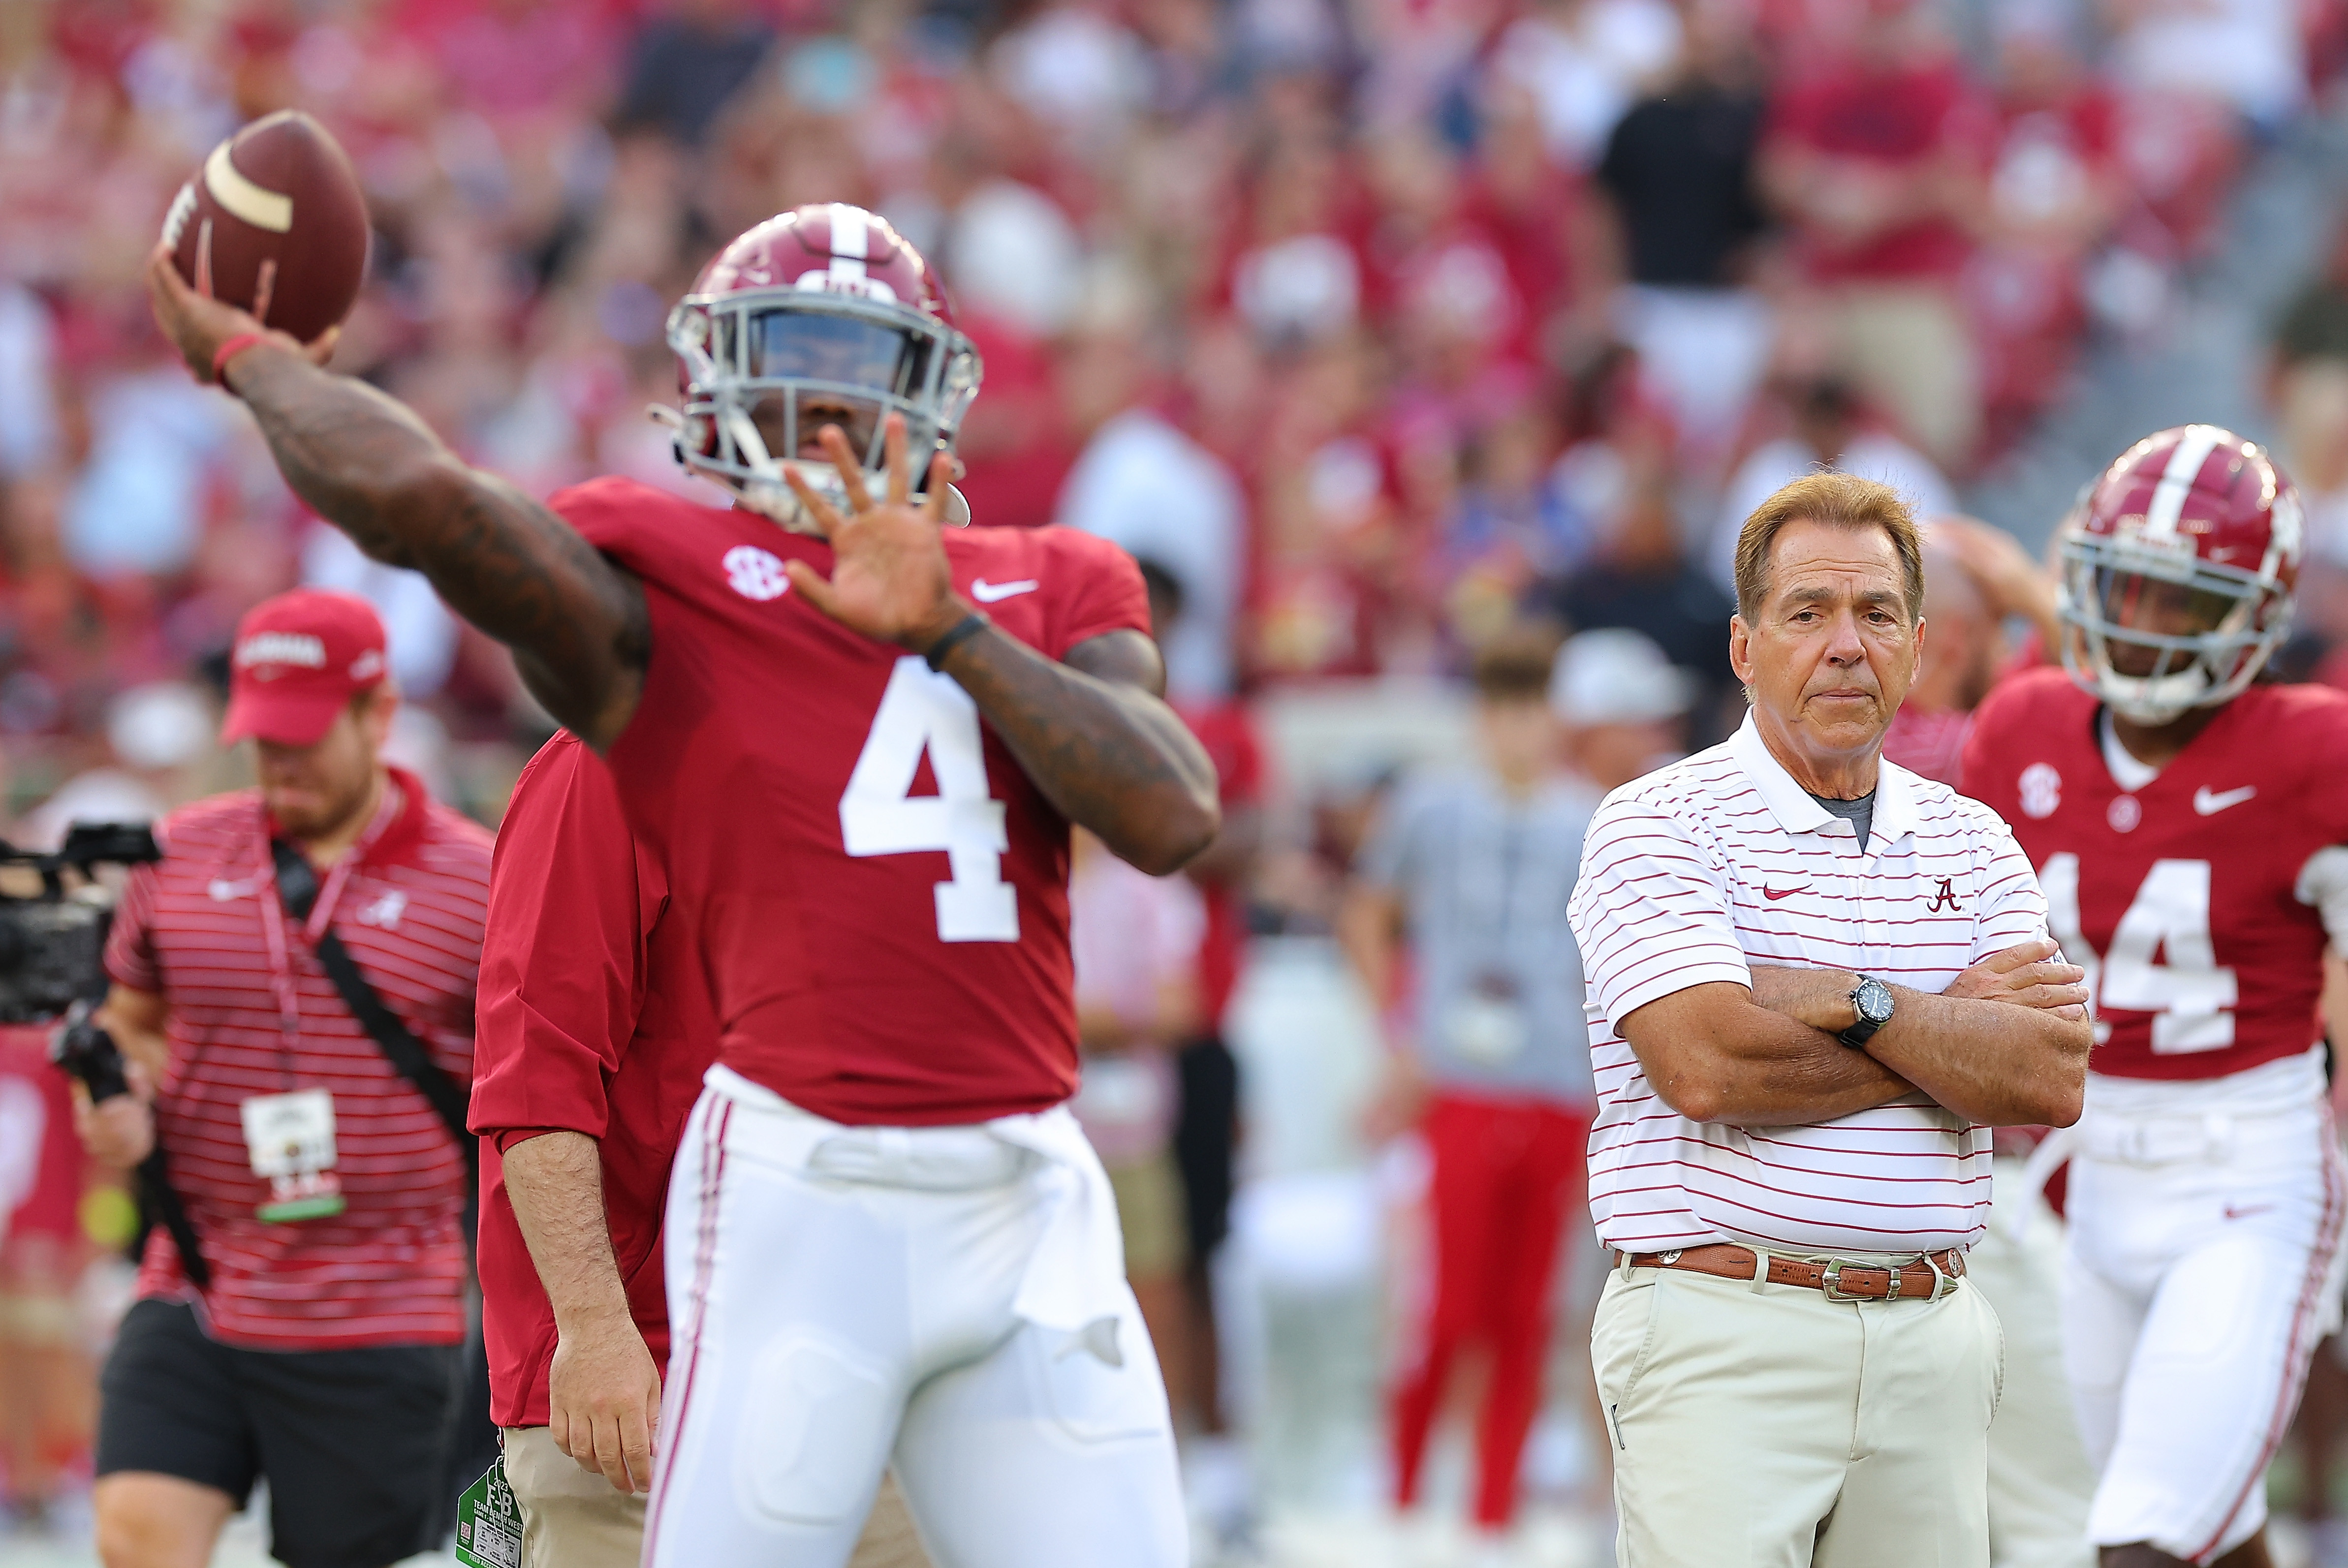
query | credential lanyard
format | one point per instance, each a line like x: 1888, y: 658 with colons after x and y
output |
x: 297, y: 890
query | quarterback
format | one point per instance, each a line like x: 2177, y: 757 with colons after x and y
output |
x: 889, y: 1241
x: 2191, y: 828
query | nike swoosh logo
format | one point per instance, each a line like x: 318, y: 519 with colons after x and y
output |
x: 2209, y: 803
x: 2234, y: 1213
x: 1773, y: 894
x: 987, y: 592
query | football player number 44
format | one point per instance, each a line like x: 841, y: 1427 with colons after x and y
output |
x: 2161, y: 961
x: 923, y: 711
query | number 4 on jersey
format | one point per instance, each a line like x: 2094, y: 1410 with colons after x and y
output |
x: 2191, y: 997
x: 880, y: 815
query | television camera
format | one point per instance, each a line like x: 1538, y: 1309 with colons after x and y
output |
x: 52, y: 968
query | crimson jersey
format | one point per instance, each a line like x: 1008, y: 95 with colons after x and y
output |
x: 883, y: 890
x: 2182, y: 898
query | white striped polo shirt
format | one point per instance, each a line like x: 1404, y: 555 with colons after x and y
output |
x: 1695, y: 872
x: 254, y: 1012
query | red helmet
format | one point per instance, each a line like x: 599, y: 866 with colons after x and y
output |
x: 2177, y: 571
x: 819, y: 316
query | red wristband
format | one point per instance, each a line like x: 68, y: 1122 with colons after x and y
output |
x: 229, y: 350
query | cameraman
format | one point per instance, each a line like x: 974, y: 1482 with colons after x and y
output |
x: 294, y: 942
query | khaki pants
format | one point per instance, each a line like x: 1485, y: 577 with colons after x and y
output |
x: 1767, y: 1427
x: 574, y: 1520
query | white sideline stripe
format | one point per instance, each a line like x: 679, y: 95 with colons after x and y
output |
x: 263, y: 208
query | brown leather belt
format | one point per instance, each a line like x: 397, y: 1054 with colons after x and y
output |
x: 1934, y: 1275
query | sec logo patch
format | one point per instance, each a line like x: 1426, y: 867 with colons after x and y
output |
x: 755, y: 573
x: 2042, y: 790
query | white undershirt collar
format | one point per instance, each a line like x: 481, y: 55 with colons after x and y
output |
x: 2127, y: 773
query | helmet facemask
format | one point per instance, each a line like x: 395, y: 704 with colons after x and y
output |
x: 2155, y: 633
x: 765, y: 370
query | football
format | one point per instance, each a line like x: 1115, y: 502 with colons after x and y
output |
x: 274, y: 223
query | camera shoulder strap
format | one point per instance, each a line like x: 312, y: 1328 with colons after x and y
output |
x: 400, y: 1047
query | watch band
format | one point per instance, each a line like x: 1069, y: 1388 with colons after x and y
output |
x: 1864, y: 1028
x: 1859, y: 1033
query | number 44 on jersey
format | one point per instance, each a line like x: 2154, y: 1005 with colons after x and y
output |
x: 2190, y: 995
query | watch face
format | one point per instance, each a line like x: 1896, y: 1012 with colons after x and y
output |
x: 1874, y: 1001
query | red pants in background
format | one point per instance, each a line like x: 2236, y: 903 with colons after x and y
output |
x: 1508, y: 1180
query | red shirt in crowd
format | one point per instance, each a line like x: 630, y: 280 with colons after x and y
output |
x: 253, y: 1013
x: 41, y: 1161
x: 881, y: 890
x: 595, y: 1018
x: 1901, y: 123
x: 1229, y: 735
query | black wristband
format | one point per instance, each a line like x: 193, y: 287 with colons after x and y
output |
x: 960, y: 632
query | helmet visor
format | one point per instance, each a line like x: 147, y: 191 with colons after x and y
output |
x: 2168, y: 632
x: 838, y: 351
x: 2141, y: 612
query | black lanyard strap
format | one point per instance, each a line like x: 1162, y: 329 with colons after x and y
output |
x: 297, y: 890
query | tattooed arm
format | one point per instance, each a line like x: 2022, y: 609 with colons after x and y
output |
x: 366, y: 464
x: 1093, y: 733
x: 1096, y: 739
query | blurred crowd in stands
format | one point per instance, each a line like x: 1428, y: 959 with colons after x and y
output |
x: 1376, y: 328
x: 1375, y: 322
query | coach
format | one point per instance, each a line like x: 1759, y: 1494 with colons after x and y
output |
x: 1816, y: 980
x: 596, y: 1026
x: 294, y: 983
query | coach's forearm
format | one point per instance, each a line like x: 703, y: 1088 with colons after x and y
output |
x: 1714, y: 1054
x: 1998, y: 1064
x: 556, y: 1183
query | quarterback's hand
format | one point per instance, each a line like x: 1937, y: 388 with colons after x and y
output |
x: 890, y: 576
x: 605, y: 1394
x: 2028, y: 973
x: 197, y: 324
x: 120, y: 1132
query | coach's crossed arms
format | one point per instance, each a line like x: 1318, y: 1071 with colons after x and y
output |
x: 2005, y: 1045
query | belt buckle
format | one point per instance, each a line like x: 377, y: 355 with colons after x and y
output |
x: 1830, y: 1282
x: 1945, y: 1281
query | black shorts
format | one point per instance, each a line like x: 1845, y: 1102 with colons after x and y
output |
x: 351, y: 1440
x: 1205, y: 1130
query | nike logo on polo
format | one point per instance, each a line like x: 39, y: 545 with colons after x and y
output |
x: 987, y: 592
x: 2209, y: 803
x: 1773, y: 894
x: 2247, y: 1210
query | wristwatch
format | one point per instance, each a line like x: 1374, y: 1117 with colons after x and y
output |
x: 1872, y: 1003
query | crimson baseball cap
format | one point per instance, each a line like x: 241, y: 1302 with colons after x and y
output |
x: 298, y: 661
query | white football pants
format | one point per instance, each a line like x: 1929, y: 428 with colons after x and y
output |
x: 2039, y: 1479
x: 842, y: 1300
x: 2204, y: 1268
